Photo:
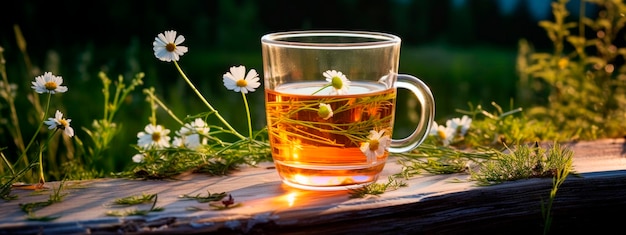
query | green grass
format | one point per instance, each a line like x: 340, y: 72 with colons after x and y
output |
x: 461, y: 75
x: 457, y: 77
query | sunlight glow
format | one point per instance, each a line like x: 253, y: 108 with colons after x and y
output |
x: 291, y: 198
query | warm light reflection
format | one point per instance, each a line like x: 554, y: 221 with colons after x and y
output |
x: 291, y: 198
x: 300, y: 199
x: 322, y: 181
x: 295, y: 149
x: 295, y: 156
x: 301, y: 179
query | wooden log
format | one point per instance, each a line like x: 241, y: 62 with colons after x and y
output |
x: 431, y: 204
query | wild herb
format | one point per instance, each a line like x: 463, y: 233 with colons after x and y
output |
x: 377, y: 188
x: 584, y: 77
x: 208, y: 198
x: 435, y: 159
x: 135, y: 200
x: 524, y: 162
x: 56, y: 197
x: 546, y: 209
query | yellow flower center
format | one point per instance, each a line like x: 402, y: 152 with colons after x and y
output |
x: 170, y: 47
x: 242, y: 83
x: 441, y: 134
x: 374, y: 145
x: 63, y: 123
x: 50, y: 85
x: 156, y: 136
x: 336, y: 82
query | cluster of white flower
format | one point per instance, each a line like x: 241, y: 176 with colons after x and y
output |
x: 192, y: 135
x: 49, y: 83
x: 456, y: 127
x: 167, y: 48
x: 377, y: 142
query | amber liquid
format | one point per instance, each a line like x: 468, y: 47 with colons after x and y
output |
x: 313, y: 153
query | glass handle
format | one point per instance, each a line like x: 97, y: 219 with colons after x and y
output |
x: 427, y: 115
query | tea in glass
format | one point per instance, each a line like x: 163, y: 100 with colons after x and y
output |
x: 330, y: 104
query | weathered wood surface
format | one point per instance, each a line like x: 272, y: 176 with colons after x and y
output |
x: 592, y: 202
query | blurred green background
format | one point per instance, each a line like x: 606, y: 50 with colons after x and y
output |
x: 465, y: 50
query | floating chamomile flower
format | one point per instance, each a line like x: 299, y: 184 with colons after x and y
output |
x: 48, y: 83
x: 166, y: 46
x: 61, y: 123
x: 338, y: 81
x: 237, y: 80
x: 325, y: 111
x: 153, y: 136
x: 376, y: 145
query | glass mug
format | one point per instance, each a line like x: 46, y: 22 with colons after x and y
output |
x: 330, y: 104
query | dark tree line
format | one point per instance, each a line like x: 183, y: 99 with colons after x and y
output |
x: 238, y: 24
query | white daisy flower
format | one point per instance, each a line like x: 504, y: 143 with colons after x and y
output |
x: 193, y: 141
x: 59, y: 122
x: 237, y: 79
x: 190, y: 134
x: 338, y: 80
x: 48, y: 83
x: 433, y: 129
x: 138, y: 158
x: 444, y: 133
x: 325, y: 111
x: 178, y: 142
x: 376, y: 145
x: 461, y: 124
x: 197, y: 126
x: 166, y: 46
x: 153, y: 136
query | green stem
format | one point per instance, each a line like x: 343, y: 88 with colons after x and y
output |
x: 164, y: 107
x: 38, y: 129
x: 42, y: 177
x: 235, y: 132
x: 8, y: 163
x: 153, y: 108
x: 324, y: 87
x: 105, y: 90
x: 245, y: 101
